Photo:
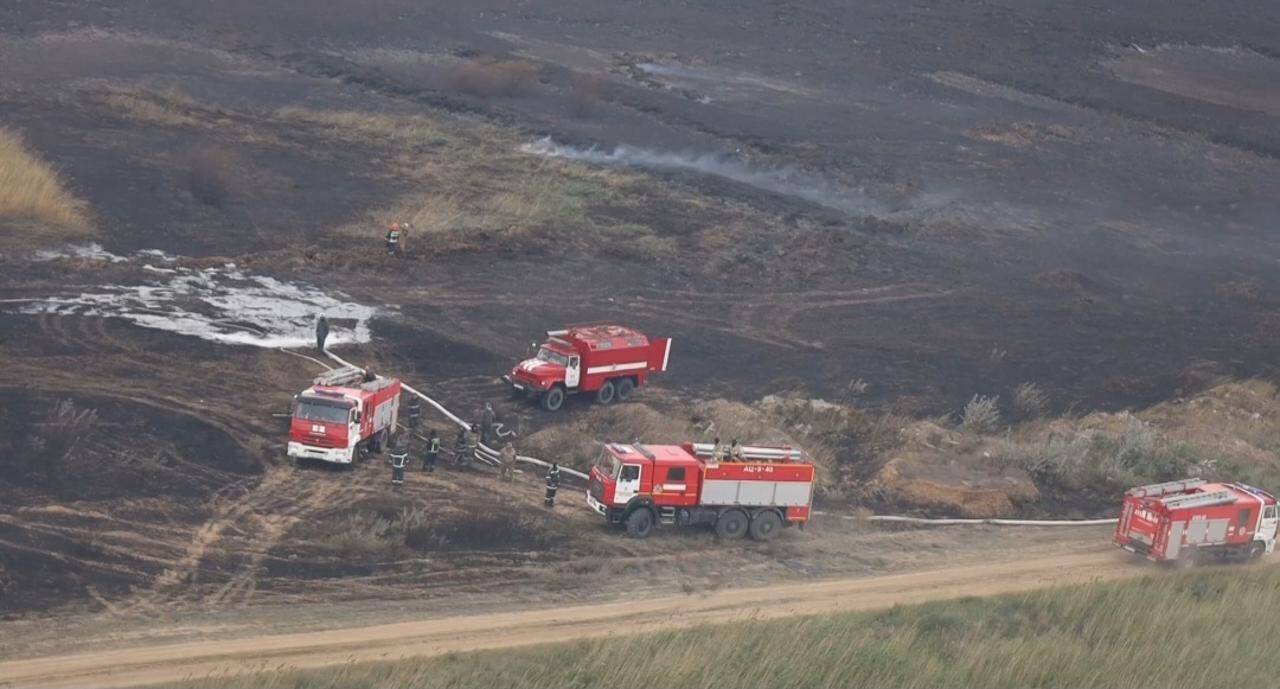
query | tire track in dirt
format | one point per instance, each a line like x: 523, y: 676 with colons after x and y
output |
x: 173, y: 662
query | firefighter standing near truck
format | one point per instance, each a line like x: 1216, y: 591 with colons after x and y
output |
x: 717, y: 451
x: 553, y: 484
x: 508, y: 468
x: 322, y: 332
x: 415, y: 412
x: 399, y: 457
x: 432, y: 454
x: 735, y: 452
x: 473, y: 444
x: 459, y: 447
x: 486, y: 424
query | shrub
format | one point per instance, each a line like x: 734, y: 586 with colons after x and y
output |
x: 211, y: 174
x: 981, y: 414
x: 1029, y: 401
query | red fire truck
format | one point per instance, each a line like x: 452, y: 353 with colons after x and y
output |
x: 643, y: 486
x: 1181, y: 521
x: 345, y: 412
x: 608, y: 360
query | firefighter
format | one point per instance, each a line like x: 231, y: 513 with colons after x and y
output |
x: 735, y: 452
x: 486, y: 424
x: 508, y: 469
x: 460, y: 447
x: 393, y: 239
x: 473, y: 444
x: 322, y: 332
x: 717, y: 451
x: 399, y: 456
x: 553, y: 484
x: 432, y: 453
x: 415, y: 412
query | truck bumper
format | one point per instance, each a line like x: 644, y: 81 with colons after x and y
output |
x: 596, y: 505
x: 520, y: 387
x: 334, y: 455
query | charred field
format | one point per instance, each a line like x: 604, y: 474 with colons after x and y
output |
x: 891, y: 206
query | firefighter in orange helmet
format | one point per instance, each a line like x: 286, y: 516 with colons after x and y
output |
x: 394, y: 234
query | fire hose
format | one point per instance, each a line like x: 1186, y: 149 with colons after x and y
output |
x: 490, y: 456
x: 486, y: 453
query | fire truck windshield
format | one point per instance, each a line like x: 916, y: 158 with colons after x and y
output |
x: 608, y: 464
x: 545, y: 354
x: 309, y: 409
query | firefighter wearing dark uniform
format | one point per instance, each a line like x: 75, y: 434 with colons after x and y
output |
x: 460, y: 447
x: 393, y: 239
x: 486, y: 424
x: 473, y: 444
x: 433, y: 452
x: 322, y: 332
x: 553, y: 484
x: 399, y: 457
x: 415, y: 413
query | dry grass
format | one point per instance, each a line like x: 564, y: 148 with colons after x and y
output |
x: 168, y: 108
x: 33, y: 194
x: 478, y: 192
x: 492, y: 78
x: 1161, y: 631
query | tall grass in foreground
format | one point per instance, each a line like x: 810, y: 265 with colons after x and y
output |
x: 31, y: 191
x: 1212, y: 628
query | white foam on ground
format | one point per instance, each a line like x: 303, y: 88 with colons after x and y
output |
x: 92, y: 251
x: 778, y: 180
x: 222, y: 304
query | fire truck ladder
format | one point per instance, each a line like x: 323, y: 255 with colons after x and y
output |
x: 1218, y: 497
x: 764, y: 454
x: 344, y: 375
x: 1155, y: 490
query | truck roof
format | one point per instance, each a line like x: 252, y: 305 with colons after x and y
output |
x: 663, y: 454
x: 1203, y: 494
x: 601, y: 336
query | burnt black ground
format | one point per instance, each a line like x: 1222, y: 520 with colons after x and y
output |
x: 1030, y: 216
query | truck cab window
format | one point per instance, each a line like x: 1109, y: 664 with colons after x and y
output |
x: 676, y: 474
x: 1270, y: 512
x: 630, y: 472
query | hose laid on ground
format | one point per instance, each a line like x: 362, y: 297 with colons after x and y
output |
x: 958, y: 522
x: 486, y: 454
x: 490, y: 456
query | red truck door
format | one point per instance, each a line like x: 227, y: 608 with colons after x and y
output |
x: 659, y: 353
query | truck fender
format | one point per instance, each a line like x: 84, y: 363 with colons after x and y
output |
x: 639, y: 502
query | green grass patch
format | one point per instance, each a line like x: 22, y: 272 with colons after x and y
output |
x: 1210, y: 628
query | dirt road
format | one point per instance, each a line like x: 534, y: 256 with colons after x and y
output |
x: 171, y: 663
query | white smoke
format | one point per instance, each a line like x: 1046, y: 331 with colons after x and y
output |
x: 778, y: 180
x: 222, y: 304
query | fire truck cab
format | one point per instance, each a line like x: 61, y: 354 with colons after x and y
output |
x: 608, y: 360
x: 344, y: 413
x: 645, y: 486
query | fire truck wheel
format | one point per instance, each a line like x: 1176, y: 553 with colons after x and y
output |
x: 626, y: 386
x: 1188, y: 558
x: 552, y: 399
x: 765, y: 524
x: 732, y: 524
x: 1256, y: 550
x: 640, y: 523
x: 605, y: 394
x: 378, y: 440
